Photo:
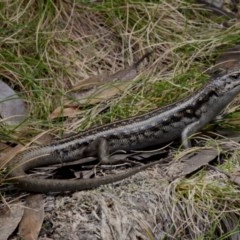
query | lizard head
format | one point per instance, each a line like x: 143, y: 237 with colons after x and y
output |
x: 223, y: 89
x: 229, y: 83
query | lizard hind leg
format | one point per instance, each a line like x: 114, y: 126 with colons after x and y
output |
x: 99, y: 148
x: 103, y: 151
x: 102, y: 148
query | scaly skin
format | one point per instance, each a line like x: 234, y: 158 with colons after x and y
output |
x: 181, y: 119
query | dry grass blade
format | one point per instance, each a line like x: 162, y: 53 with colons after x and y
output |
x: 33, y: 216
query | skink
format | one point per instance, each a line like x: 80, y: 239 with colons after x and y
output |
x: 178, y: 120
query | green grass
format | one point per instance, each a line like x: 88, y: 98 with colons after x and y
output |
x: 47, y: 46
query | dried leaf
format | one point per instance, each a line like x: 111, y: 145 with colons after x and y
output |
x: 65, y: 112
x: 9, y: 154
x: 9, y: 220
x: 32, y: 220
x: 91, y: 91
x: 229, y: 60
x: 191, y: 162
x: 42, y: 138
x: 12, y: 108
x: 103, y: 93
x: 122, y: 75
x: 119, y: 157
x: 90, y: 83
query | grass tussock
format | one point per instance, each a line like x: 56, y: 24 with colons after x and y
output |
x: 48, y: 46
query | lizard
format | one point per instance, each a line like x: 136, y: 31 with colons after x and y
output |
x: 162, y: 125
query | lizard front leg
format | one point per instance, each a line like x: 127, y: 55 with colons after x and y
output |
x: 189, y: 130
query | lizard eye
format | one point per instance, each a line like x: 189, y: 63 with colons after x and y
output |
x: 235, y: 75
